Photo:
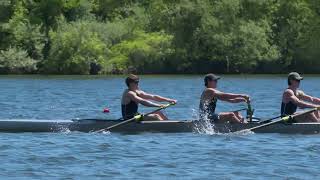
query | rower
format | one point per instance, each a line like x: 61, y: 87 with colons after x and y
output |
x: 293, y: 98
x: 133, y: 96
x: 211, y: 95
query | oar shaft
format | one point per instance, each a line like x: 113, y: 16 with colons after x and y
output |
x: 119, y: 124
x: 277, y: 117
x: 263, y: 125
x: 135, y: 117
x: 239, y: 110
x: 286, y: 118
x: 249, y: 111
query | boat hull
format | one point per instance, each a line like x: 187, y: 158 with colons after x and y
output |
x: 91, y: 125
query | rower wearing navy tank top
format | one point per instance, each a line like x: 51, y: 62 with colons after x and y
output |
x: 133, y: 96
x: 210, y: 97
x: 294, y: 98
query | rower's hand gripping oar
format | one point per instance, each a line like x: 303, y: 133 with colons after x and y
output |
x: 137, y: 117
x: 286, y: 118
x: 250, y: 111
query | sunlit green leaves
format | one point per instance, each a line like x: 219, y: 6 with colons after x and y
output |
x: 74, y: 48
x: 145, y: 53
x: 16, y: 60
x: 163, y: 36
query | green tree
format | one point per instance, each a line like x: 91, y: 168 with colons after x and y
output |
x: 177, y: 36
x: 21, y: 33
x: 74, y: 49
x: 145, y: 53
x: 15, y: 60
x: 292, y: 20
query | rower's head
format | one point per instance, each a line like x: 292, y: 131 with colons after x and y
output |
x: 294, y: 79
x: 211, y: 80
x: 132, y: 81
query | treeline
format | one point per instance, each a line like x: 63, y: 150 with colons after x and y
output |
x: 159, y: 36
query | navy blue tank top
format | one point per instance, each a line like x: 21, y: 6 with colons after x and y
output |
x: 129, y: 110
x: 288, y: 108
x: 208, y: 109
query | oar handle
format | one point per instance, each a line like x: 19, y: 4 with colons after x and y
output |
x: 268, y: 120
x: 136, y: 117
x: 250, y: 111
x: 160, y: 108
x: 286, y: 118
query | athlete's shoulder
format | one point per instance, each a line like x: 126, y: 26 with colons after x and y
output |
x: 131, y: 93
x: 139, y: 92
x: 288, y: 92
x: 211, y: 90
x: 300, y: 93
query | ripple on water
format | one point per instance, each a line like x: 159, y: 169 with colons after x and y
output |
x: 204, y: 155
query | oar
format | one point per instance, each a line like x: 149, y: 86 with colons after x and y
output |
x: 286, y: 118
x: 250, y: 111
x: 268, y: 120
x: 239, y: 110
x: 135, y: 118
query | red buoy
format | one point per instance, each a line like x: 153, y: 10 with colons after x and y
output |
x: 106, y: 110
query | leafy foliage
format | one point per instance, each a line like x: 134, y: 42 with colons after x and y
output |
x: 15, y: 60
x: 163, y: 36
x: 74, y: 48
x: 145, y: 53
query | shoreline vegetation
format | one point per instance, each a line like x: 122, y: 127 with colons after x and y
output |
x: 82, y: 37
x: 98, y: 76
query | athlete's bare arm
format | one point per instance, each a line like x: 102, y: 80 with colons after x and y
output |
x: 230, y: 97
x: 236, y: 100
x: 290, y: 96
x: 155, y: 97
x: 134, y: 97
x: 309, y: 98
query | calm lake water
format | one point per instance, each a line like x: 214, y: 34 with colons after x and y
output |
x: 148, y: 156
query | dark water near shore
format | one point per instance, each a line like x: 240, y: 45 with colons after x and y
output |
x: 148, y: 156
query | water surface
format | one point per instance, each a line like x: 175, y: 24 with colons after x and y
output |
x: 145, y: 156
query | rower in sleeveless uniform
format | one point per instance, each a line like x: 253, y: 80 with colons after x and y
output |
x: 133, y: 96
x: 293, y: 98
x: 211, y: 95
